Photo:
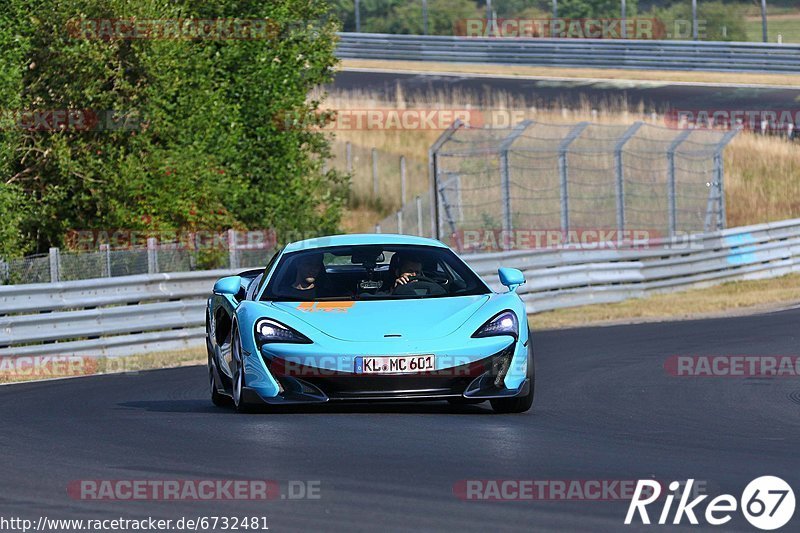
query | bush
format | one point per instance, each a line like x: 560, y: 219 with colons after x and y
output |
x: 717, y: 21
x: 202, y: 146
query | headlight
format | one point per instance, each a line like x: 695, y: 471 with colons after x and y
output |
x: 504, y: 323
x: 271, y: 331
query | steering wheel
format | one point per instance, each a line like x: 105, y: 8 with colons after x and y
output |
x: 417, y: 283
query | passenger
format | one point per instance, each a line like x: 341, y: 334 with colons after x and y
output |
x: 308, y: 277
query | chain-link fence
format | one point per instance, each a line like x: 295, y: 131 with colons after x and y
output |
x: 385, y: 180
x: 413, y: 218
x: 538, y: 176
x: 64, y: 265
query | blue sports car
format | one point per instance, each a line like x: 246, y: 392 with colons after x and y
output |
x: 368, y: 318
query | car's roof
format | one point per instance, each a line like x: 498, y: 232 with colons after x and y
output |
x: 362, y: 238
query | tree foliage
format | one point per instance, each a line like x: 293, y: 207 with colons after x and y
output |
x: 201, y: 146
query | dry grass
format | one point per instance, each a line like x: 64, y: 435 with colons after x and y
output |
x: 12, y: 371
x: 738, y: 297
x: 762, y: 180
x: 553, y: 72
x: 762, y: 173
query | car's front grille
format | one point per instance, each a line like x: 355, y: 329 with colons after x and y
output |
x: 348, y: 385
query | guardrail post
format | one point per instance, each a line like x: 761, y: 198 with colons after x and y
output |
x: 672, y: 204
x: 377, y: 228
x: 233, y: 256
x: 152, y: 255
x: 374, y: 172
x: 55, y: 256
x: 418, y: 201
x: 564, y: 173
x: 620, y: 174
x: 403, y: 180
x: 400, y: 221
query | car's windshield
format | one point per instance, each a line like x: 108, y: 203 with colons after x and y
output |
x: 371, y: 272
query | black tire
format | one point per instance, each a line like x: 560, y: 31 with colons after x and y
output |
x: 218, y: 399
x: 519, y: 404
x: 238, y: 385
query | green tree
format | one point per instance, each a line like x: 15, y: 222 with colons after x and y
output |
x: 202, y: 146
x: 717, y: 21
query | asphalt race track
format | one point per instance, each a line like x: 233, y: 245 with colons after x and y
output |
x: 605, y: 409
x: 654, y: 96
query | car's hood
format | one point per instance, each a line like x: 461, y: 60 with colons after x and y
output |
x: 429, y: 318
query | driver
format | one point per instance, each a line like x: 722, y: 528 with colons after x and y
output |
x: 408, y: 268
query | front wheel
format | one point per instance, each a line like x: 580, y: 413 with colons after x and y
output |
x: 238, y: 377
x: 518, y: 404
x: 220, y: 400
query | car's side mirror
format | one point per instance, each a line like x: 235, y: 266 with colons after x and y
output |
x: 230, y: 285
x: 511, y: 278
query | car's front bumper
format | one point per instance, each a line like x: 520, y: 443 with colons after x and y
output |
x: 480, y: 379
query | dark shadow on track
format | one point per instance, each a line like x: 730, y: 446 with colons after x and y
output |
x: 202, y: 406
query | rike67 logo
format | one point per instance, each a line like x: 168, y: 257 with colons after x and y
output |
x: 767, y: 503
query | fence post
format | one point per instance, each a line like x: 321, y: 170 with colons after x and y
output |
x: 418, y: 201
x: 374, y: 172
x: 624, y: 16
x: 433, y: 174
x: 54, y: 264
x: 105, y: 249
x: 672, y: 204
x: 722, y: 221
x: 719, y: 176
x: 5, y: 272
x: 152, y: 255
x: 358, y: 16
x: 348, y: 156
x: 505, y: 174
x: 402, y: 180
x: 400, y: 221
x: 620, y: 174
x: 553, y: 21
x: 563, y: 173
x: 233, y: 256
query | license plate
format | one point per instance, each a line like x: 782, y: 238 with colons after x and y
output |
x: 394, y: 364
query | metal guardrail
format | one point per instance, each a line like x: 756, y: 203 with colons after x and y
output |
x: 598, y: 53
x: 106, y: 316
x: 144, y: 313
x: 568, y: 278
